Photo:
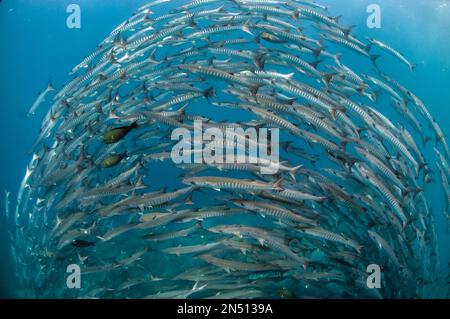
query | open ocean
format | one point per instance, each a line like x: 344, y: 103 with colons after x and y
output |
x: 37, y: 45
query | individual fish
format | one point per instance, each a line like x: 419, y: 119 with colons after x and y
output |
x: 79, y: 243
x: 40, y: 99
x: 112, y: 160
x: 172, y: 235
x: 391, y: 51
x: 7, y: 204
x: 210, y: 212
x: 231, y: 265
x: 299, y: 196
x: 240, y: 293
x: 352, y: 46
x: 263, y: 237
x: 64, y: 224
x: 177, y: 294
x: 219, y: 183
x: 275, y: 211
x: 327, y: 235
x: 193, y: 249
x: 114, y: 135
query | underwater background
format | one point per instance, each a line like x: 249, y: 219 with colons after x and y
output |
x: 37, y: 45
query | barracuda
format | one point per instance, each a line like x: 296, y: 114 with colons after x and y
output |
x: 322, y: 175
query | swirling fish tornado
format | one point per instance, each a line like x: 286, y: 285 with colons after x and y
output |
x: 120, y: 183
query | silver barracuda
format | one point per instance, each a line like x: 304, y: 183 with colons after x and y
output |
x: 336, y: 172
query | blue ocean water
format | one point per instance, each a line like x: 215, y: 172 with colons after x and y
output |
x: 37, y: 45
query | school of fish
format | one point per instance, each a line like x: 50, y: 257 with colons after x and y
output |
x: 350, y: 191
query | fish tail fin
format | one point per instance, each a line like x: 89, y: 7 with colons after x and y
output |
x: 359, y: 248
x: 264, y: 15
x: 337, y: 58
x: 328, y: 77
x: 318, y: 50
x: 336, y: 19
x: 277, y: 184
x: 254, y: 88
x: 153, y: 278
x: 426, y: 139
x: 209, y: 93
x: 246, y: 27
x: 147, y: 18
x: 119, y: 41
x: 182, y: 110
x: 406, y: 223
x: 189, y: 200
x: 197, y: 288
x: 374, y: 96
x: 113, y: 115
x: 406, y: 191
x: 83, y: 155
x: 207, y: 39
x: 347, y: 30
x: 344, y: 144
x: 368, y: 46
x: 259, y: 60
x: 192, y: 22
x: 285, y: 145
x: 82, y: 259
x: 151, y: 58
x: 139, y: 183
x: 415, y: 190
x: 199, y: 224
x: 293, y: 171
x: 258, y: 38
x: 315, y: 63
x: 437, y: 140
x: 289, y: 76
x: 50, y: 86
x: 374, y: 59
